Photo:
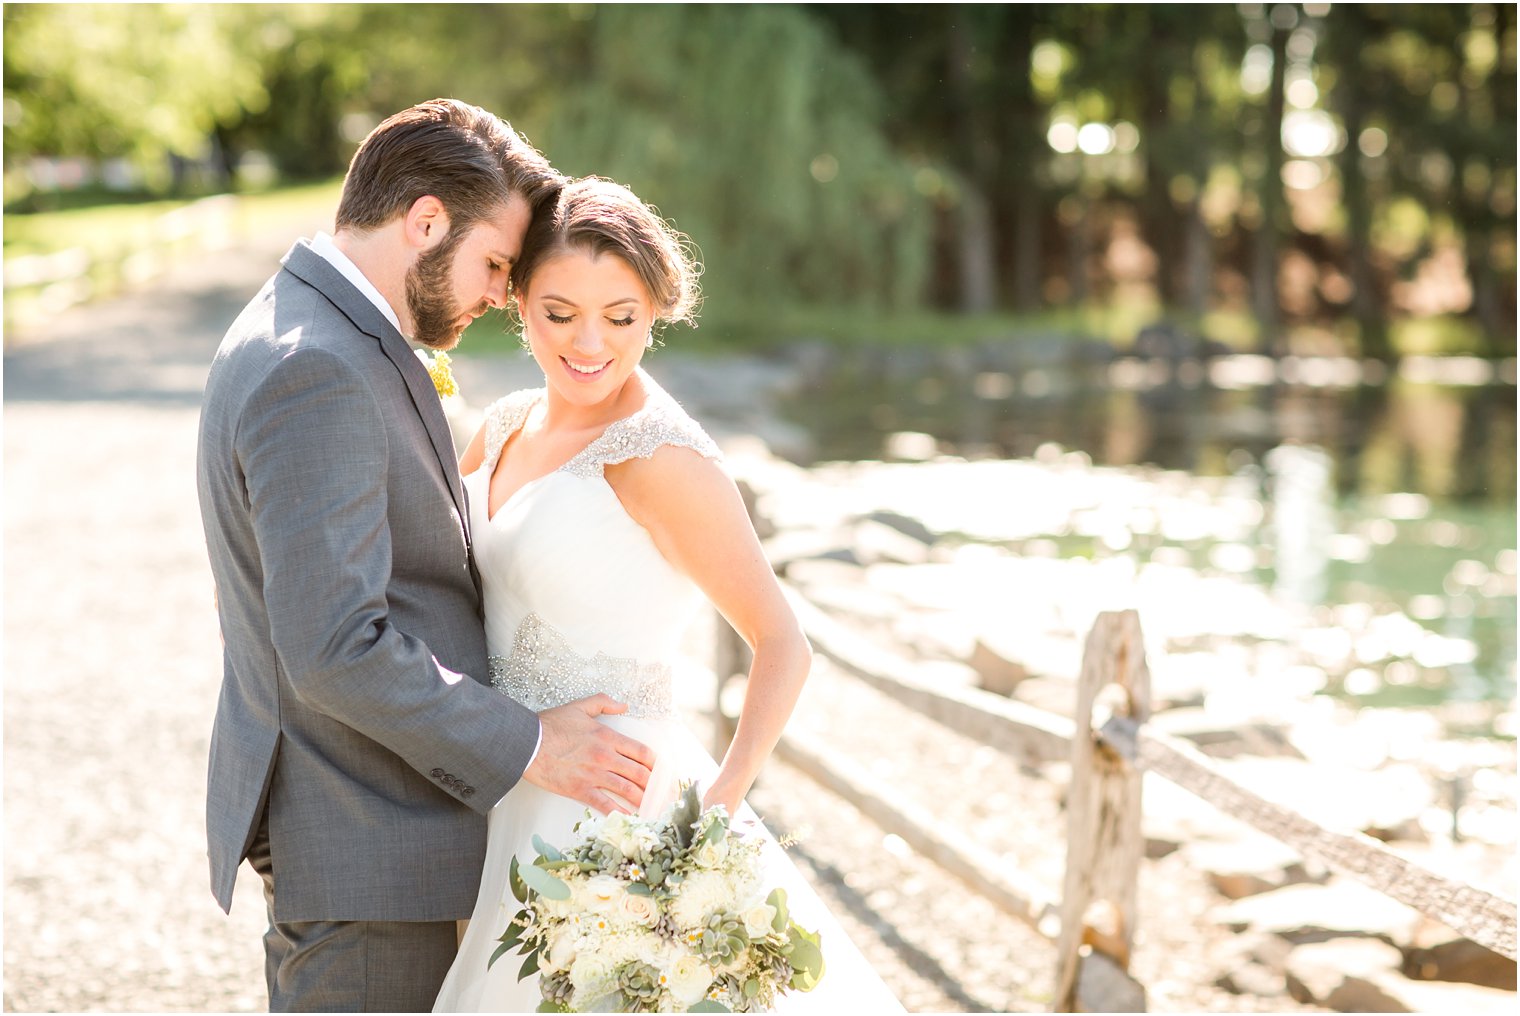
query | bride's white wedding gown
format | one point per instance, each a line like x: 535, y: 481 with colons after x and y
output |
x: 578, y: 600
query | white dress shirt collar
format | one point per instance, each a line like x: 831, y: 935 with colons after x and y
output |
x: 323, y: 245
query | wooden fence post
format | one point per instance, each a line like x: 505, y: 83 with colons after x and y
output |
x: 1099, y: 901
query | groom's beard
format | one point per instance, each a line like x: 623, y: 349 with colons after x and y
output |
x: 429, y: 285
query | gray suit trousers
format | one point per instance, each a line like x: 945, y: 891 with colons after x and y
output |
x: 350, y: 966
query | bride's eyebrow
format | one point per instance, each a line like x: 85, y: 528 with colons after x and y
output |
x: 571, y: 303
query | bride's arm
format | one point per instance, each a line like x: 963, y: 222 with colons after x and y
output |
x: 694, y: 513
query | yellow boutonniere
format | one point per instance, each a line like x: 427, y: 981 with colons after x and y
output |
x: 438, y: 369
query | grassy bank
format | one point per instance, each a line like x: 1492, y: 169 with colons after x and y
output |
x: 104, y: 229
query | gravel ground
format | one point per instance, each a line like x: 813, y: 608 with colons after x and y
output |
x: 112, y: 667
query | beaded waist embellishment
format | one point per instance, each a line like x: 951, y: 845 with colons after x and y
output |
x: 544, y: 672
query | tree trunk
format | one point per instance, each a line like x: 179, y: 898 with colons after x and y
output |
x: 1264, y: 263
x: 974, y: 233
x: 1076, y: 254
x: 1485, y: 289
x: 1366, y: 308
x: 1198, y: 263
x: 1026, y: 248
x: 974, y: 245
x: 1023, y: 142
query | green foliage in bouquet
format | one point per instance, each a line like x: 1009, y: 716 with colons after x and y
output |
x: 648, y: 915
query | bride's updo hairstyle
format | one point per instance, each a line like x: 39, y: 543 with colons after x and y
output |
x: 595, y: 216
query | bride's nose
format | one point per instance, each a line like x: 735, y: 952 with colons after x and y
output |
x: 588, y: 339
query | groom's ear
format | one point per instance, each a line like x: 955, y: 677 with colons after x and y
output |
x: 426, y: 222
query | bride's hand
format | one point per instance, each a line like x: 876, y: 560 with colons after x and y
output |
x: 587, y: 761
x: 722, y: 793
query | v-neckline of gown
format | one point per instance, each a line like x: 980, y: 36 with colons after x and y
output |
x: 540, y: 396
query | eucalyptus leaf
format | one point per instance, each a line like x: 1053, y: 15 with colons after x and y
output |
x: 751, y: 988
x: 806, y: 953
x: 639, y: 889
x: 543, y: 883
x: 546, y: 850
x: 708, y: 1005
x: 806, y: 957
x: 530, y: 965
x: 501, y: 951
x: 777, y: 899
x: 549, y: 1005
x: 519, y: 890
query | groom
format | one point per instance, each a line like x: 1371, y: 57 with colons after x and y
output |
x: 358, y: 744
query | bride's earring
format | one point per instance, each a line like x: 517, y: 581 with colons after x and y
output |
x: 649, y: 340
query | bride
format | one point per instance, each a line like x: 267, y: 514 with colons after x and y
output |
x: 601, y: 519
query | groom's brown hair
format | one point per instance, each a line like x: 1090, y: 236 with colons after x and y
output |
x: 469, y: 159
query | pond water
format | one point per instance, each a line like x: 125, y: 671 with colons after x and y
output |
x: 1389, y: 498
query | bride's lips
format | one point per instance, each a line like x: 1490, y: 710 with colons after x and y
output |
x: 577, y: 369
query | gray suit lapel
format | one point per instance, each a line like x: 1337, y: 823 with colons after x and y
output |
x: 316, y: 271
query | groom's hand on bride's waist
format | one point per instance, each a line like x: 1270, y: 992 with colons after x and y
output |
x: 585, y: 760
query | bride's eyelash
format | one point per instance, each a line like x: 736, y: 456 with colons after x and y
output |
x: 623, y: 322
x: 556, y: 318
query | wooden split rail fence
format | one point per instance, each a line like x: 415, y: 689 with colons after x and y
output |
x: 38, y: 286
x: 1092, y: 919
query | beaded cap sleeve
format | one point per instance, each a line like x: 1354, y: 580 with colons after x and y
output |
x: 661, y: 422
x: 503, y: 418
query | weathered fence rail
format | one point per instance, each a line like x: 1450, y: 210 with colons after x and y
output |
x: 1092, y: 921
x: 40, y: 285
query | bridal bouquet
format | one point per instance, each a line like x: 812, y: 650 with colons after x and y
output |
x: 657, y: 915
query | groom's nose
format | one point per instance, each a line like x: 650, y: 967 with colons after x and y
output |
x: 496, y: 292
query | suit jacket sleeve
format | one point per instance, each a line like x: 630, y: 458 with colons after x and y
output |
x: 312, y: 447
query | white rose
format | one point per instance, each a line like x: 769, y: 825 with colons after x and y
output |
x: 614, y: 828
x: 689, y: 979
x: 564, y: 943
x: 711, y: 855
x: 628, y: 835
x: 641, y: 910
x: 758, y: 918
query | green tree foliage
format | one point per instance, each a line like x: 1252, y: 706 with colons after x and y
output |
x: 877, y: 156
x: 746, y: 127
x: 113, y: 80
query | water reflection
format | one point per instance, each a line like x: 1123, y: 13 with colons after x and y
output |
x: 1442, y: 441
x: 1395, y: 499
x: 1302, y: 521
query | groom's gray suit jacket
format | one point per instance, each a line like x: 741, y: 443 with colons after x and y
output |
x: 355, y: 704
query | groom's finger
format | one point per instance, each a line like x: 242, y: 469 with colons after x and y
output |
x: 629, y: 792
x: 635, y: 752
x: 602, y: 704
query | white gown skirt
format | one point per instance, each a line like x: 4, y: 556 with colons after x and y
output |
x: 849, y: 983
